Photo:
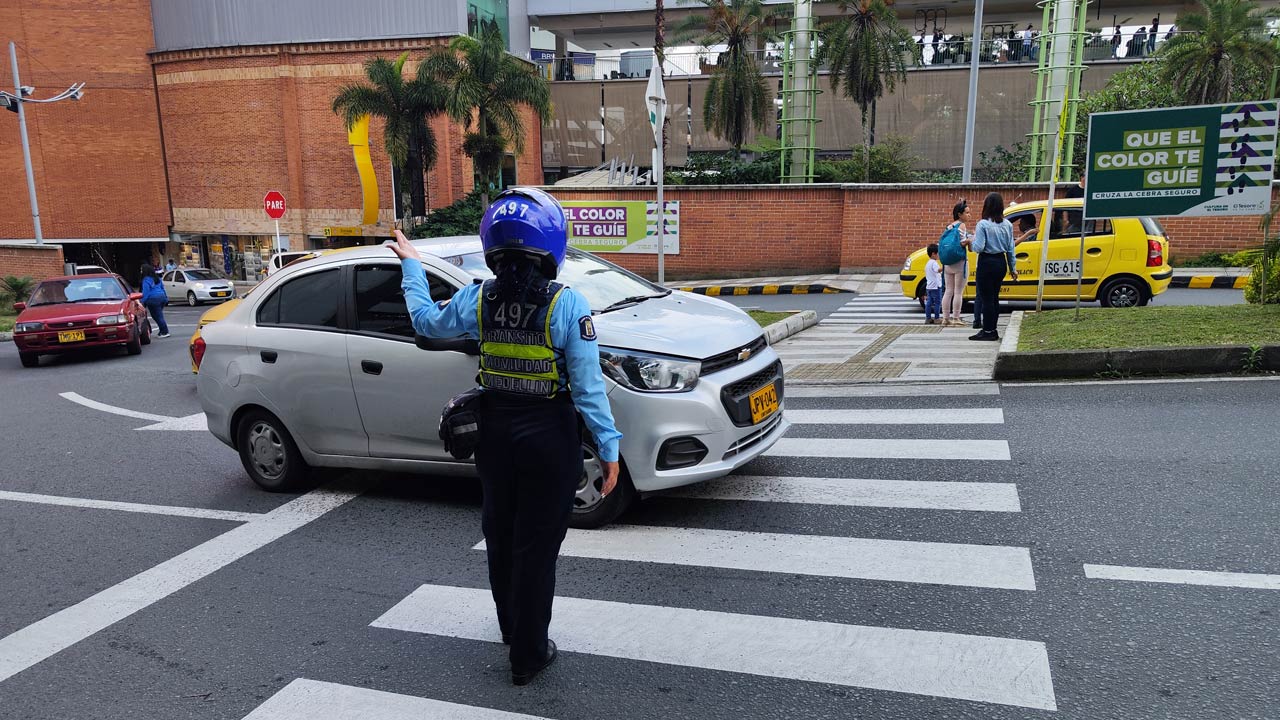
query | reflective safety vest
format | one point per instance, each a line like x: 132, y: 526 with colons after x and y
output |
x: 516, y: 353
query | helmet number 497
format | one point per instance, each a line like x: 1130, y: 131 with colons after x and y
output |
x: 512, y: 208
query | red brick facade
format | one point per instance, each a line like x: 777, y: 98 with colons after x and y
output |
x: 34, y: 261
x: 779, y: 229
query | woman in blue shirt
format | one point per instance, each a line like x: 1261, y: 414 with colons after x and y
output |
x: 154, y: 297
x: 993, y: 242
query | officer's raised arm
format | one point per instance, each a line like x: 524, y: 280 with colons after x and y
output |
x: 437, y: 320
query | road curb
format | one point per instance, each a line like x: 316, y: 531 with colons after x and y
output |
x: 717, y: 290
x: 6, y: 336
x: 1047, y: 364
x: 1009, y: 343
x: 1207, y: 282
x: 787, y: 327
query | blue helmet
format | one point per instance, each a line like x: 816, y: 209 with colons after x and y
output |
x: 527, y: 223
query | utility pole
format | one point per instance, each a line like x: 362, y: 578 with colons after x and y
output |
x: 971, y: 113
x: 15, y: 103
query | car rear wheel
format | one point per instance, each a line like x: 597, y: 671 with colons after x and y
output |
x: 29, y: 359
x: 269, y: 454
x: 590, y: 508
x: 191, y: 298
x: 1123, y: 292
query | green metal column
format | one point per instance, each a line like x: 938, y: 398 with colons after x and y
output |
x: 799, y: 97
x: 1058, y: 74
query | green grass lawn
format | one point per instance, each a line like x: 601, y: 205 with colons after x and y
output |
x: 1151, y: 326
x: 768, y: 318
x: 6, y: 322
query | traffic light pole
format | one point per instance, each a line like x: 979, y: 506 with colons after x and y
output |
x: 26, y: 146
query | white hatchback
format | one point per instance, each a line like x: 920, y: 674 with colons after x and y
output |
x: 196, y: 286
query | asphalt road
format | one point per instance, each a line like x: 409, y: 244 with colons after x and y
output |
x: 844, y: 598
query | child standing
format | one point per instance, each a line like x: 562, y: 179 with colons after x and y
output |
x: 933, y: 287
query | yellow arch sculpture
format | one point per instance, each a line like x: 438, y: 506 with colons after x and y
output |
x: 358, y: 138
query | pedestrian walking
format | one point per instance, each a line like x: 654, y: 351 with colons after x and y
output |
x: 955, y: 272
x: 932, y: 287
x: 1026, y: 43
x: 1153, y: 35
x: 539, y: 368
x: 993, y: 242
x: 1115, y: 42
x: 154, y: 297
x: 170, y: 266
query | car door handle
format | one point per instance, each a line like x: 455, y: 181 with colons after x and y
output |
x: 268, y: 356
x: 373, y: 367
x: 1022, y: 256
x: 1094, y: 251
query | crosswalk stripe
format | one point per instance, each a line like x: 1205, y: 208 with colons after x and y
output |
x: 891, y: 449
x: 911, y: 561
x: 305, y: 699
x: 898, y: 416
x: 883, y: 390
x: 858, y: 492
x: 968, y: 667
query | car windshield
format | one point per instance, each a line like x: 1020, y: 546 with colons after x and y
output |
x: 53, y: 292
x: 200, y: 275
x: 603, y: 284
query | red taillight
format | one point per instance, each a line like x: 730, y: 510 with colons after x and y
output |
x: 1155, y: 253
x: 197, y: 351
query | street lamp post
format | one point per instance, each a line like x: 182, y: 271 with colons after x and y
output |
x: 15, y: 102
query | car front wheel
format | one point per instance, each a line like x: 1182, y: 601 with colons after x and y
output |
x: 191, y: 299
x: 144, y: 331
x: 591, y: 509
x: 1123, y: 293
x: 269, y: 453
x: 29, y: 360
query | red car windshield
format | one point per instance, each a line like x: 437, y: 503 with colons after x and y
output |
x: 74, y: 290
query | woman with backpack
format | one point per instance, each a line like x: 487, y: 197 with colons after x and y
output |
x: 955, y: 264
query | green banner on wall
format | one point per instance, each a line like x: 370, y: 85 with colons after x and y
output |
x: 623, y: 226
x: 1206, y: 160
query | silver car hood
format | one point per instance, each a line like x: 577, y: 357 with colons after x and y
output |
x: 681, y: 323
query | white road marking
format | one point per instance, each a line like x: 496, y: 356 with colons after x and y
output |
x: 892, y: 449
x: 856, y: 492
x: 311, y: 699
x: 188, y: 423
x: 968, y: 667
x: 869, y: 390
x: 898, y: 416
x: 81, y: 400
x: 1144, y: 381
x: 59, y: 631
x: 1254, y: 581
x: 129, y: 507
x: 909, y: 561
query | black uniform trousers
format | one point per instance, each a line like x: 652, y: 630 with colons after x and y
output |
x: 530, y: 462
x: 992, y: 268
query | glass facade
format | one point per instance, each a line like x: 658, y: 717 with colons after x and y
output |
x: 480, y: 11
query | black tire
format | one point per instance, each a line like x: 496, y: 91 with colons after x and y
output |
x: 191, y: 298
x: 590, y: 509
x: 144, y: 331
x: 268, y: 453
x: 1124, y: 292
x: 920, y: 294
x: 29, y: 360
x: 134, y: 346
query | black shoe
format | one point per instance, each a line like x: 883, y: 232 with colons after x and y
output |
x: 983, y: 336
x: 524, y: 677
x: 977, y: 326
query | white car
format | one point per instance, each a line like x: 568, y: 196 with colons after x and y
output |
x: 320, y: 367
x: 92, y: 270
x: 196, y: 286
x: 279, y: 260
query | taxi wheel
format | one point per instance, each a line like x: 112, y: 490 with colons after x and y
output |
x: 1124, y: 292
x: 29, y: 360
x: 920, y: 294
x: 269, y: 454
x: 191, y: 299
x: 590, y: 508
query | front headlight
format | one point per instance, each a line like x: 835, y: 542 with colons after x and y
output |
x: 200, y: 286
x: 649, y: 373
x: 111, y: 320
x: 907, y: 265
x: 28, y: 327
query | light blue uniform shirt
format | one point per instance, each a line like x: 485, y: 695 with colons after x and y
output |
x: 994, y: 238
x: 578, y: 358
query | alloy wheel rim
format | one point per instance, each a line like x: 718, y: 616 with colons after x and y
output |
x: 588, y: 495
x: 266, y: 449
x: 1124, y: 296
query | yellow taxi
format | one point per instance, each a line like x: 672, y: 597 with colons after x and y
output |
x: 1125, y: 262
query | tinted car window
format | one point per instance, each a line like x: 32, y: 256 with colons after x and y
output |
x: 1066, y: 224
x: 77, y: 290
x: 201, y: 275
x: 1152, y: 226
x: 310, y: 300
x: 380, y: 304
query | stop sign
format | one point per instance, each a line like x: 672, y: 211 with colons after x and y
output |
x: 273, y: 203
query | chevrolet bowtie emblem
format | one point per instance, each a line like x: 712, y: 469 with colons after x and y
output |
x: 743, y: 354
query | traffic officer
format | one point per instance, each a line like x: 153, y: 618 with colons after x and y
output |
x: 538, y: 362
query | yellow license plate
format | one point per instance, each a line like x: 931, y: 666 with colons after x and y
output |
x: 219, y: 294
x: 764, y: 402
x: 71, y: 336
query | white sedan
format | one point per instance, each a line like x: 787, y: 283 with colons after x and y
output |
x: 197, y: 285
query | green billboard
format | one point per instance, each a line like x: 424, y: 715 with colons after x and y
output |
x: 1204, y: 160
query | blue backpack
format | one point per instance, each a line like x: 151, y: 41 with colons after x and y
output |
x: 950, y: 251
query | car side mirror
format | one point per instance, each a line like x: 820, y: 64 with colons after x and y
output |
x: 135, y: 296
x: 19, y: 306
x: 463, y: 345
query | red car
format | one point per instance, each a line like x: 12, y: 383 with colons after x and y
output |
x: 70, y: 313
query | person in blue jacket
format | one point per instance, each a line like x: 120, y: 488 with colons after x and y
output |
x: 540, y: 367
x: 154, y: 297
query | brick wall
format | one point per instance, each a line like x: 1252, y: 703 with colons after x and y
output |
x: 776, y: 229
x: 98, y: 164
x: 33, y: 261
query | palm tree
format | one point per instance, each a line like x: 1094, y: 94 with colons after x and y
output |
x: 737, y: 96
x: 1216, y: 46
x: 405, y: 107
x: 866, y: 50
x: 486, y: 88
